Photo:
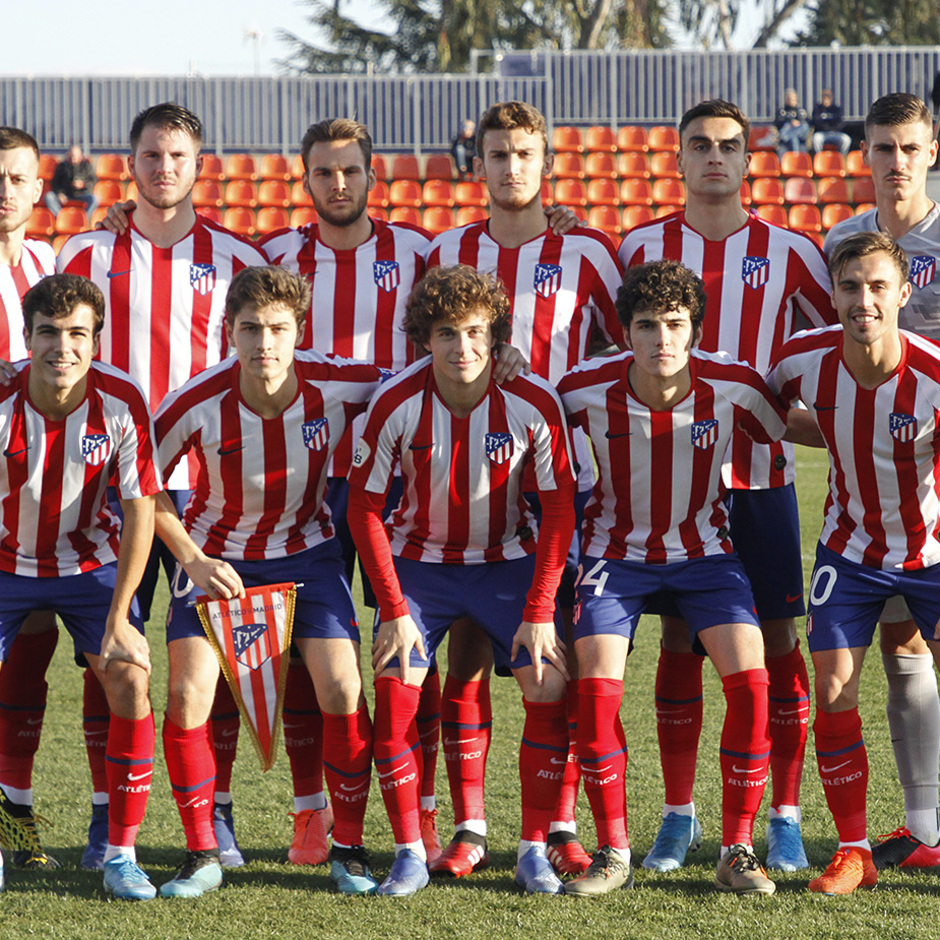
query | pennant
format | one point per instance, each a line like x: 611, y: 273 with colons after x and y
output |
x: 251, y: 638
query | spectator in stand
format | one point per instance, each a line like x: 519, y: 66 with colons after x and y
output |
x: 73, y: 181
x: 464, y: 149
x: 792, y: 123
x: 827, y: 125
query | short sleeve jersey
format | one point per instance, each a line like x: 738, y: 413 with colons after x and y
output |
x: 36, y: 261
x: 54, y: 514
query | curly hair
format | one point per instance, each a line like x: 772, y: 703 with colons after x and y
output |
x: 58, y: 295
x: 261, y: 287
x: 450, y: 294
x: 660, y: 286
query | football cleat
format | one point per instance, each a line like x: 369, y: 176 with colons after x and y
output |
x: 311, y: 830
x: 739, y: 872
x: 566, y: 853
x: 429, y: 836
x: 608, y: 871
x: 785, y: 850
x: 230, y: 855
x: 849, y: 869
x: 93, y: 856
x: 199, y: 874
x: 124, y: 880
x: 901, y: 849
x: 408, y: 875
x: 18, y: 834
x: 677, y: 836
x: 350, y: 871
x: 534, y: 872
x: 465, y: 853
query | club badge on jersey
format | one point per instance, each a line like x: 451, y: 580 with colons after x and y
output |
x: 202, y: 278
x: 387, y: 275
x: 923, y: 269
x: 251, y: 637
x: 498, y: 446
x: 316, y: 433
x: 755, y: 271
x: 705, y: 433
x: 903, y: 427
x: 547, y: 279
x: 96, y: 448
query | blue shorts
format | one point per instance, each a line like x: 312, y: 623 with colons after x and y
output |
x: 324, y: 606
x: 492, y: 594
x: 81, y: 601
x: 565, y: 594
x: 846, y: 599
x: 706, y: 592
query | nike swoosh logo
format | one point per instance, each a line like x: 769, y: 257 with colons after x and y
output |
x: 830, y: 770
x: 389, y: 773
x: 139, y: 776
x: 744, y: 770
x: 419, y: 446
x: 15, y: 453
x: 118, y: 273
x: 792, y: 711
x: 819, y: 407
x: 793, y: 598
x: 460, y: 741
x: 344, y: 786
x: 555, y: 760
x: 611, y: 437
x: 229, y: 732
x: 34, y: 721
x: 224, y: 451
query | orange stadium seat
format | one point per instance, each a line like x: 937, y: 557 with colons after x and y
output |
x: 804, y: 218
x: 600, y: 166
x: 571, y: 193
x: 636, y: 193
x: 111, y: 166
x: 668, y: 192
x: 599, y: 139
x: 71, y: 220
x: 834, y: 213
x: 567, y: 140
x: 405, y: 167
x: 380, y: 214
x: 863, y: 207
x: 47, y: 164
x: 274, y: 194
x: 131, y: 192
x: 666, y: 209
x: 405, y: 214
x: 633, y: 165
x: 767, y: 191
x: 241, y: 166
x: 440, y: 166
x: 829, y: 163
x: 776, y: 215
x: 764, y: 163
x: 405, y: 193
x: 241, y: 194
x: 297, y: 167
x: 799, y: 191
x: 212, y: 168
x: 380, y: 165
x: 832, y: 188
x: 304, y: 215
x: 271, y: 218
x: 602, y: 193
x: 762, y: 137
x: 663, y: 165
x: 636, y: 215
x: 796, y: 163
x: 97, y: 216
x: 211, y: 213
x: 299, y: 197
x: 855, y: 164
x: 439, y: 192
x: 605, y: 218
x: 58, y: 243
x: 548, y: 195
x: 472, y: 193
x: 632, y: 137
x: 568, y: 166
x: 663, y: 137
x: 108, y: 192
x: 274, y: 166
x: 41, y: 223
x: 240, y: 219
x: 468, y: 214
x: 863, y: 189
x: 437, y: 219
x: 378, y: 195
x: 746, y: 194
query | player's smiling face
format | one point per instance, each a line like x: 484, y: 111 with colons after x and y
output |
x: 899, y: 157
x: 513, y: 163
x: 867, y: 294
x: 462, y: 352
x: 62, y: 349
x: 338, y: 181
x: 661, y: 341
x: 714, y: 158
x: 20, y: 187
x: 165, y: 166
x: 264, y: 340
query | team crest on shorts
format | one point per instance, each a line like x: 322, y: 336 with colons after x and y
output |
x: 923, y: 269
x: 316, y: 433
x: 755, y: 271
x: 387, y: 275
x: 705, y: 433
x: 547, y: 279
x: 252, y: 644
x: 903, y: 427
x: 202, y: 278
x: 96, y: 448
x: 499, y: 446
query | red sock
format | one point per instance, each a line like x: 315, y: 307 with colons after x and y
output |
x: 23, y: 691
x: 678, y: 721
x: 745, y: 754
x: 96, y: 721
x: 467, y: 721
x: 191, y: 767
x: 543, y: 757
x: 568, y: 797
x: 843, y: 767
x: 788, y: 709
x: 224, y: 723
x: 429, y: 729
x: 130, y: 770
x: 304, y: 732
x: 602, y: 748
x: 348, y: 741
x: 398, y: 755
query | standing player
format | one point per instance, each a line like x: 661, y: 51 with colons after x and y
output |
x: 663, y: 413
x: 249, y: 522
x: 874, y: 392
x: 759, y: 280
x: 561, y: 291
x: 461, y: 536
x: 68, y: 427
x: 900, y: 148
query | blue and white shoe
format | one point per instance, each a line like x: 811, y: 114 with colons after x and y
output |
x: 677, y: 836
x: 349, y: 869
x: 199, y: 874
x: 408, y: 875
x: 124, y: 880
x: 534, y: 872
x: 785, y: 850
x: 93, y: 856
x: 230, y: 855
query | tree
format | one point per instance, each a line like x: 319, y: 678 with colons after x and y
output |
x: 873, y: 22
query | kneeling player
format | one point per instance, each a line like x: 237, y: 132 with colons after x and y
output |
x: 263, y: 426
x: 874, y: 392
x: 462, y: 543
x: 660, y: 419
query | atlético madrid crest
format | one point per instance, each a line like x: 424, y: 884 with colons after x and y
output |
x: 923, y: 269
x: 903, y: 427
x: 755, y: 271
x: 387, y: 275
x: 499, y: 446
x: 96, y: 448
x: 202, y: 278
x: 547, y: 279
x: 705, y: 433
x: 316, y: 433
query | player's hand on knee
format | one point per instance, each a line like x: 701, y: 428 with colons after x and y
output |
x: 542, y: 642
x: 118, y: 220
x: 396, y: 639
x: 122, y: 642
x: 216, y: 577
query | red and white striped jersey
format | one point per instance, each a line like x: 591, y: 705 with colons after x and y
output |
x: 658, y: 499
x: 164, y: 306
x: 463, y: 477
x: 759, y: 281
x: 260, y: 487
x: 359, y: 297
x: 36, y: 261
x: 883, y: 508
x: 54, y: 515
x: 561, y: 287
